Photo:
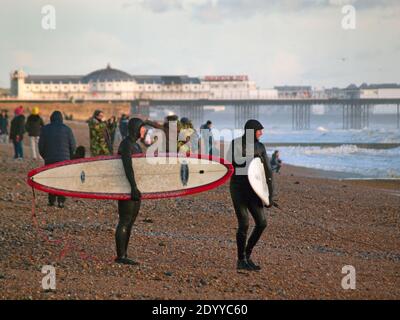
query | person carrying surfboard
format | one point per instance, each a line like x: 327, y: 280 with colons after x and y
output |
x: 128, y: 210
x: 240, y: 153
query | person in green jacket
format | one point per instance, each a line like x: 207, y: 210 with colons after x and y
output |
x: 100, y: 139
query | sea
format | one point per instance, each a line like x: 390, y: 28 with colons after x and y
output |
x: 369, y: 153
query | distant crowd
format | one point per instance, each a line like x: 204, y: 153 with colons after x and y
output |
x: 103, y: 135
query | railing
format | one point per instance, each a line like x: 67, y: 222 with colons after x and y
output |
x: 176, y: 96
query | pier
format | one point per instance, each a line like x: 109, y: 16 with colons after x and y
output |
x: 356, y: 113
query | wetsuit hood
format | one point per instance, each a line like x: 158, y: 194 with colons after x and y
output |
x: 253, y: 124
x: 56, y: 117
x: 134, y: 126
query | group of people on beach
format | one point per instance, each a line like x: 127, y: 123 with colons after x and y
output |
x: 188, y: 141
x: 55, y: 142
x: 18, y: 127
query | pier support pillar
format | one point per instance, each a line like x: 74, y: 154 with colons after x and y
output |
x: 356, y: 116
x: 398, y: 116
x: 194, y: 112
x: 301, y: 115
x: 244, y: 113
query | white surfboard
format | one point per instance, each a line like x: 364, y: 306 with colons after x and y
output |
x: 257, y: 179
x: 163, y: 176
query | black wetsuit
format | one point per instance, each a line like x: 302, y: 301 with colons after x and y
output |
x: 128, y: 209
x: 243, y: 197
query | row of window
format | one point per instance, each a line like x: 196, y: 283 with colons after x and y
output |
x: 28, y: 87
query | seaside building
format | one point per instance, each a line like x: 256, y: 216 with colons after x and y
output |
x: 383, y: 91
x: 111, y: 84
x: 294, y: 92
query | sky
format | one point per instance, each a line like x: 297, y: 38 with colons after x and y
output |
x: 275, y: 42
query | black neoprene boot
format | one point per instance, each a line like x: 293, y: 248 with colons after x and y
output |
x: 253, y: 266
x: 243, y: 265
x: 126, y: 260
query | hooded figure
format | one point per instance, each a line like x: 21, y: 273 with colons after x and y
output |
x: 100, y: 139
x: 56, y: 143
x: 241, y: 152
x: 17, y: 130
x: 128, y: 210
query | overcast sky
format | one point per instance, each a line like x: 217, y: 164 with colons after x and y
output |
x: 275, y: 42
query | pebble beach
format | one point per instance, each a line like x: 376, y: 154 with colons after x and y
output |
x: 186, y: 246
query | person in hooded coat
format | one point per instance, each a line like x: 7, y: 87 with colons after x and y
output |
x: 56, y: 143
x: 128, y: 210
x: 240, y: 153
x: 17, y: 130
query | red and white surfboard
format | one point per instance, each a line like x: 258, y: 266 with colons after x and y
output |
x: 163, y: 176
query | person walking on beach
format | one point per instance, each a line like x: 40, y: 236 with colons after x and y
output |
x: 112, y: 128
x: 17, y: 131
x: 276, y: 162
x: 123, y: 126
x: 206, y: 137
x: 4, y: 126
x: 100, y: 139
x: 240, y: 153
x: 33, y: 125
x: 128, y: 210
x: 56, y: 143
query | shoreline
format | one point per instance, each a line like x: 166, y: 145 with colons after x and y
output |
x: 366, y: 145
x: 82, y: 137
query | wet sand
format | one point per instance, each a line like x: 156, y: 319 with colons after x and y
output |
x: 186, y: 246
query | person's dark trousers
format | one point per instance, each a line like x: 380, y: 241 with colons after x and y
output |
x: 18, y: 149
x: 276, y: 168
x: 53, y: 198
x: 245, y: 200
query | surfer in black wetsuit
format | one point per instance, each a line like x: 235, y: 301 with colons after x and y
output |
x: 128, y: 209
x: 244, y: 199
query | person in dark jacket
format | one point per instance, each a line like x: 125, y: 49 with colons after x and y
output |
x: 56, y: 143
x: 241, y: 151
x: 17, y: 131
x: 128, y: 210
x: 112, y: 128
x: 3, y: 126
x: 276, y: 162
x: 80, y: 153
x: 207, y: 137
x: 33, y: 125
x: 123, y: 126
